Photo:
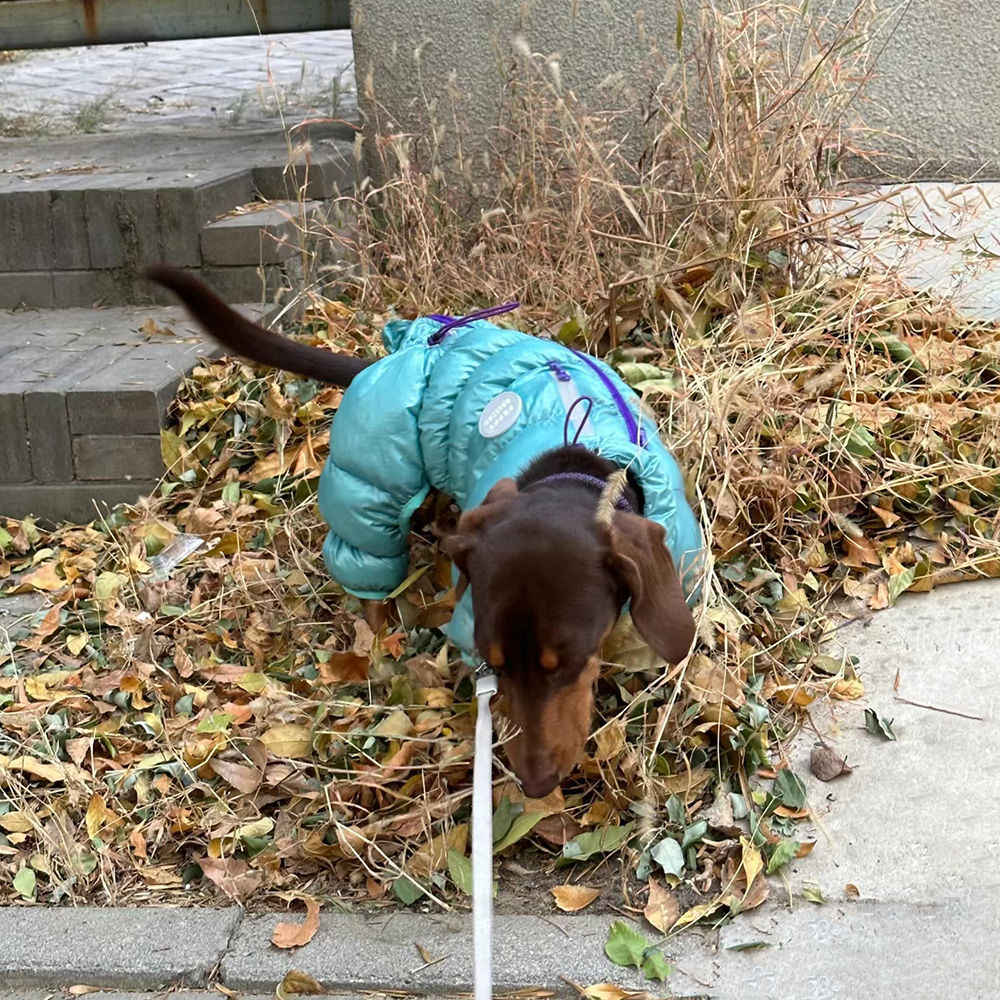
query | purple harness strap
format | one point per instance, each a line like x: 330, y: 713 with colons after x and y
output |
x: 581, y: 477
x: 636, y: 433
x: 451, y: 324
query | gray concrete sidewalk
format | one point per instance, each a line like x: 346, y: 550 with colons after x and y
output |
x: 220, y: 81
x: 914, y: 829
x: 939, y: 238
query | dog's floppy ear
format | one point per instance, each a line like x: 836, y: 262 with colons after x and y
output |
x: 460, y: 545
x: 642, y: 562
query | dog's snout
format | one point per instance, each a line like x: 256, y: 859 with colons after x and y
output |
x: 537, y: 786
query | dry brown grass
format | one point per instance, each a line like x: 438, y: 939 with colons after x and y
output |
x: 590, y: 213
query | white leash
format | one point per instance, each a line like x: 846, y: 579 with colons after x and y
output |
x: 482, y: 836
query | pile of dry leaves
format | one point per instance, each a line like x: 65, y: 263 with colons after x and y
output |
x: 200, y: 708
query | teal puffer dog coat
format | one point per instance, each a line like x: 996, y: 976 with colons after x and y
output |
x: 428, y: 416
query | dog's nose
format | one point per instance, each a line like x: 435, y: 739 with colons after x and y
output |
x: 538, y: 786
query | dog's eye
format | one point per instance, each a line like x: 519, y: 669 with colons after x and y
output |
x: 550, y: 658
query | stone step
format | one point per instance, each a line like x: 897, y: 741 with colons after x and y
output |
x: 83, y: 395
x: 79, y: 223
x: 124, y: 286
x: 259, y: 233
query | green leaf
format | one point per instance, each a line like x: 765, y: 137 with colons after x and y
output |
x: 24, y: 882
x: 899, y: 352
x: 504, y: 816
x: 675, y: 810
x: 637, y: 372
x: 655, y: 966
x: 782, y: 854
x: 407, y: 891
x: 217, y: 722
x: 789, y: 788
x: 679, y: 29
x: 643, y: 866
x: 694, y: 833
x: 254, y: 845
x: 878, y: 726
x: 739, y: 805
x: 5, y: 539
x: 813, y: 894
x: 669, y: 856
x: 610, y: 838
x: 107, y: 585
x: 626, y: 947
x: 521, y: 826
x: 900, y: 582
x: 231, y: 492
x: 460, y: 870
x: 860, y: 441
x: 569, y: 331
x: 748, y: 946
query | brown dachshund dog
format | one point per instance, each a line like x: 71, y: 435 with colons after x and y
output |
x: 548, y: 579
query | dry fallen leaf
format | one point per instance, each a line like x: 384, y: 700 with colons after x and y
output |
x: 697, y: 912
x: 848, y: 690
x: 662, y: 909
x: 345, y: 668
x: 138, y: 842
x: 296, y: 982
x: 288, y: 935
x: 243, y: 778
x: 610, y: 740
x: 425, y: 956
x: 43, y: 578
x: 288, y: 741
x: 826, y: 764
x: 396, y: 725
x: 557, y: 829
x: 19, y: 821
x: 234, y: 877
x: 572, y: 898
x: 46, y: 627
x: 100, y: 819
x: 38, y: 769
x: 606, y: 991
x: 433, y: 855
x: 179, y: 668
x: 75, y: 642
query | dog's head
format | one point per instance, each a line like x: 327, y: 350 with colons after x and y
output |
x: 548, y: 583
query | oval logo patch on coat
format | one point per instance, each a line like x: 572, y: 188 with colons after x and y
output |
x: 500, y: 414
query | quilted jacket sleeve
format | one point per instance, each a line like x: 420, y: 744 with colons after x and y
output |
x: 373, y: 480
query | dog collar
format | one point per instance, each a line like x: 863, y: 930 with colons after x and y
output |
x: 582, y: 477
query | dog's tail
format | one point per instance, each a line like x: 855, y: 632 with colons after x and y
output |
x: 250, y: 341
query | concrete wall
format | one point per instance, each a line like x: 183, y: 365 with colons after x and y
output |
x: 935, y: 95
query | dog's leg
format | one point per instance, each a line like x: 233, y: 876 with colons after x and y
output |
x: 377, y: 613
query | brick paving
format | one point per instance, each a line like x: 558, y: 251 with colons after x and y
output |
x: 82, y: 399
x: 222, y: 81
